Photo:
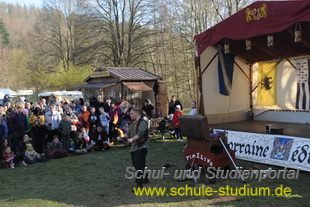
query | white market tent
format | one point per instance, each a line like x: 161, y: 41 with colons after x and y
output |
x: 62, y: 95
x: 2, y: 95
x: 8, y: 91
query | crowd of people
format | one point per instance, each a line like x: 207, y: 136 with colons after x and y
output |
x: 32, y: 133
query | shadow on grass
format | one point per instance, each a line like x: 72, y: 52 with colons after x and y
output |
x: 98, y: 179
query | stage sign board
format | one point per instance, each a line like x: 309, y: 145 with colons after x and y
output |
x: 208, y: 158
x: 280, y: 150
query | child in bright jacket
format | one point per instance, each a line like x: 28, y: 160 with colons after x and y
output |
x: 31, y: 156
x: 176, y: 122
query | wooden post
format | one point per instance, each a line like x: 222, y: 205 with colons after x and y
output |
x: 251, y: 92
x: 122, y: 91
x: 201, y: 102
x: 197, y: 90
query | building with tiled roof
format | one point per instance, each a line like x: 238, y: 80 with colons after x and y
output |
x: 130, y: 84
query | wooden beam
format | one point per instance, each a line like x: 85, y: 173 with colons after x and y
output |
x: 242, y: 71
x: 265, y: 51
x: 251, y: 92
x: 208, y: 64
x: 288, y: 60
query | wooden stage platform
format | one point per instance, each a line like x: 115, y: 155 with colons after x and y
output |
x: 289, y: 129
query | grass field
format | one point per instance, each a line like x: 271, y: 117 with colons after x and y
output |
x: 98, y: 179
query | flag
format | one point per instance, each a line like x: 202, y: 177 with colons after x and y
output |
x: 303, y: 94
x: 225, y: 71
x: 267, y: 87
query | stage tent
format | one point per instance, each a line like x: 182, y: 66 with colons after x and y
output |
x: 279, y: 20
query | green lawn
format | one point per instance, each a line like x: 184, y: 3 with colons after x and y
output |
x: 98, y: 179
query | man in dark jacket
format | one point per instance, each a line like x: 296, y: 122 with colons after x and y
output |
x: 148, y: 108
x: 3, y: 129
x: 6, y: 99
x: 17, y: 127
x: 93, y: 120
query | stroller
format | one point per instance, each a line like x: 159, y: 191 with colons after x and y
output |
x: 166, y: 126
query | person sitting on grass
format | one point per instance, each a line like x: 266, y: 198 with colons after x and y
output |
x: 11, y: 159
x: 80, y: 145
x: 85, y: 135
x: 31, y: 156
x: 99, y: 139
x: 22, y: 145
x: 8, y: 156
x: 3, y: 144
x: 87, y: 139
x: 55, y: 149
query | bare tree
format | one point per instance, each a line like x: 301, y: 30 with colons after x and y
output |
x: 65, y: 34
x: 125, y: 27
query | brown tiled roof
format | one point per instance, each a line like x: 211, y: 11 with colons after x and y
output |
x: 124, y: 73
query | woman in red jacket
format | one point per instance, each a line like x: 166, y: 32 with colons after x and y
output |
x: 176, y: 122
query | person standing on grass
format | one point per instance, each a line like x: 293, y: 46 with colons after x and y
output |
x: 173, y: 103
x: 107, y: 105
x: 82, y: 123
x: 176, y: 122
x: 4, y: 130
x: 59, y: 108
x: 26, y: 112
x: 52, y: 120
x: 64, y: 130
x: 76, y: 108
x: 6, y: 99
x: 44, y: 106
x: 114, y: 119
x: 148, y: 108
x: 17, y: 126
x: 93, y: 120
x: 104, y: 120
x: 28, y: 107
x: 3, y: 115
x: 38, y: 129
x: 73, y: 120
x: 137, y: 136
x: 85, y: 116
